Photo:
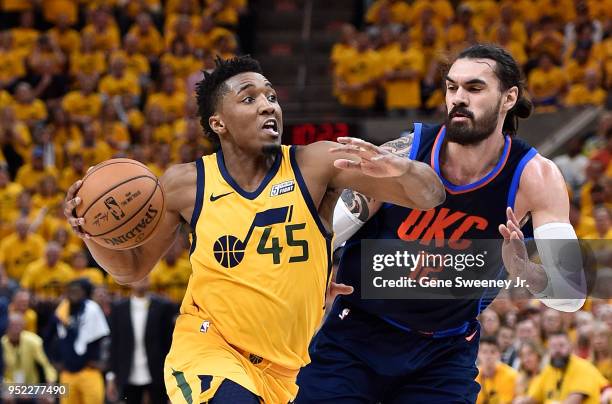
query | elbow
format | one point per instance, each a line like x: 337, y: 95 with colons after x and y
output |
x: 435, y: 196
x: 564, y: 305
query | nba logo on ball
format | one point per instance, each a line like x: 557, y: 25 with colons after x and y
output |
x: 204, y: 326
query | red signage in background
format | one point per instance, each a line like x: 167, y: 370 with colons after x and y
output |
x: 305, y: 133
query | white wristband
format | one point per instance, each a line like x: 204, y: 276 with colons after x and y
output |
x: 345, y: 224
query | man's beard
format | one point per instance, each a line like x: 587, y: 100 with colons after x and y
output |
x: 559, y: 362
x: 466, y: 135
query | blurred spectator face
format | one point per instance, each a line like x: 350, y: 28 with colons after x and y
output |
x: 530, y: 359
x: 363, y: 42
x: 179, y: 48
x: 186, y: 153
x: 108, y: 112
x: 602, y: 220
x: 53, y: 253
x: 594, y: 170
x: 48, y: 186
x: 384, y: 16
x: 598, y: 194
x: 163, y: 155
x: 591, y: 79
x: 169, y: 85
x: 21, y: 301
x: 606, y: 315
x: 26, y: 19
x: 24, y: 94
x: 37, y: 159
x: 601, y: 338
x: 427, y: 15
x: 16, y: 325
x: 63, y: 21
x: 88, y: 83
x: 24, y: 202
x: 551, y: 321
x: 155, y: 115
x: 76, y: 162
x: 503, y: 34
x: 582, y: 55
x: 117, y: 67
x: 488, y: 356
x: 79, y: 260
x: 75, y: 293
x: 89, y: 134
x: 183, y: 26
x: 505, y: 338
x: 185, y: 7
x: 59, y: 116
x: 545, y: 63
x: 100, y: 20
x: 207, y: 23
x: 526, y: 331
x: 61, y: 236
x: 143, y: 20
x: 559, y: 348
x: 130, y: 44
x: 490, y: 322
x: 347, y: 33
x: 464, y: 15
x: 22, y: 227
x: 507, y: 14
x: 88, y: 43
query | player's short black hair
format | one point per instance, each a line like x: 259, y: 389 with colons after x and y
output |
x: 212, y: 87
x: 509, y: 75
x: 489, y: 339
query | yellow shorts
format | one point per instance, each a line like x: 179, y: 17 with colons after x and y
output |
x: 196, y: 354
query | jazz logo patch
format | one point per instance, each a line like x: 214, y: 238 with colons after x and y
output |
x: 204, y: 326
x: 344, y: 313
x: 282, y: 188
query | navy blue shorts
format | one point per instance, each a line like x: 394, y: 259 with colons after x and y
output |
x: 359, y: 358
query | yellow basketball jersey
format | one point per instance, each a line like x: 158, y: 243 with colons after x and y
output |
x: 261, y: 260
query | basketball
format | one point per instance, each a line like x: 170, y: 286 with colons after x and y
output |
x: 122, y: 203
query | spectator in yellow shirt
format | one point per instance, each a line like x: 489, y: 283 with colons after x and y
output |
x: 603, y: 229
x: 93, y: 150
x: 518, y: 33
x: 15, y: 135
x: 12, y: 60
x: 399, y: 10
x: 546, y: 39
x: 171, y: 275
x: 48, y: 195
x: 182, y: 28
x: 104, y: 31
x: 47, y: 277
x: 442, y: 11
x: 497, y: 380
x: 505, y: 40
x: 115, y: 133
x: 566, y: 377
x: 30, y: 174
x: 602, y: 349
x: 23, y: 354
x: 87, y: 60
x: 53, y: 10
x: 405, y: 67
x: 81, y: 268
x: 20, y: 303
x: 67, y: 38
x: 180, y: 59
x: 75, y: 171
x: 169, y: 99
x: 358, y: 76
x: 588, y: 93
x: 206, y: 33
x: 530, y: 356
x: 25, y: 35
x: 546, y: 83
x: 135, y: 63
x: 224, y: 12
x: 21, y: 248
x: 83, y: 104
x: 581, y: 61
x: 119, y: 81
x: 9, y: 192
x: 149, y: 39
x: 27, y: 107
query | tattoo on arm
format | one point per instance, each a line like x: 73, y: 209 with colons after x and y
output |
x: 357, y: 203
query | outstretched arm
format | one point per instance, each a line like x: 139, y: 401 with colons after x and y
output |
x: 353, y: 208
x: 370, y: 170
x: 559, y: 281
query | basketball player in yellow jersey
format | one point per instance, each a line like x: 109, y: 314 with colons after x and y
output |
x: 261, y: 244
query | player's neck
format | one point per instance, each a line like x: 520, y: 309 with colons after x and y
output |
x: 246, y: 169
x: 466, y: 164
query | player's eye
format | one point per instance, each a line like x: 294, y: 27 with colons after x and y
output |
x: 475, y: 89
x: 451, y: 88
x: 248, y: 99
x: 272, y: 98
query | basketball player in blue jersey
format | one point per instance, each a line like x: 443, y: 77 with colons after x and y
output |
x: 424, y: 351
x: 261, y: 245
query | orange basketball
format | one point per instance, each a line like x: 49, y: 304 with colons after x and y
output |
x: 122, y: 203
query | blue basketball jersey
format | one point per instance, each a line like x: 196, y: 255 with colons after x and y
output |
x: 472, y: 211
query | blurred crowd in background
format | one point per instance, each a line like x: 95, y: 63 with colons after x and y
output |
x: 395, y: 61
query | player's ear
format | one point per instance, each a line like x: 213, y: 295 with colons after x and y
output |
x: 511, y: 98
x: 216, y: 124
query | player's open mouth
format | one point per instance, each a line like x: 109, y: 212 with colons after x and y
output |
x: 270, y: 127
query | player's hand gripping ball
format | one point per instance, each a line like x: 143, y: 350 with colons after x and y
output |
x: 122, y: 202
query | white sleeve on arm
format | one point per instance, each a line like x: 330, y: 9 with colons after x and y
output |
x: 561, y: 258
x: 345, y: 224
